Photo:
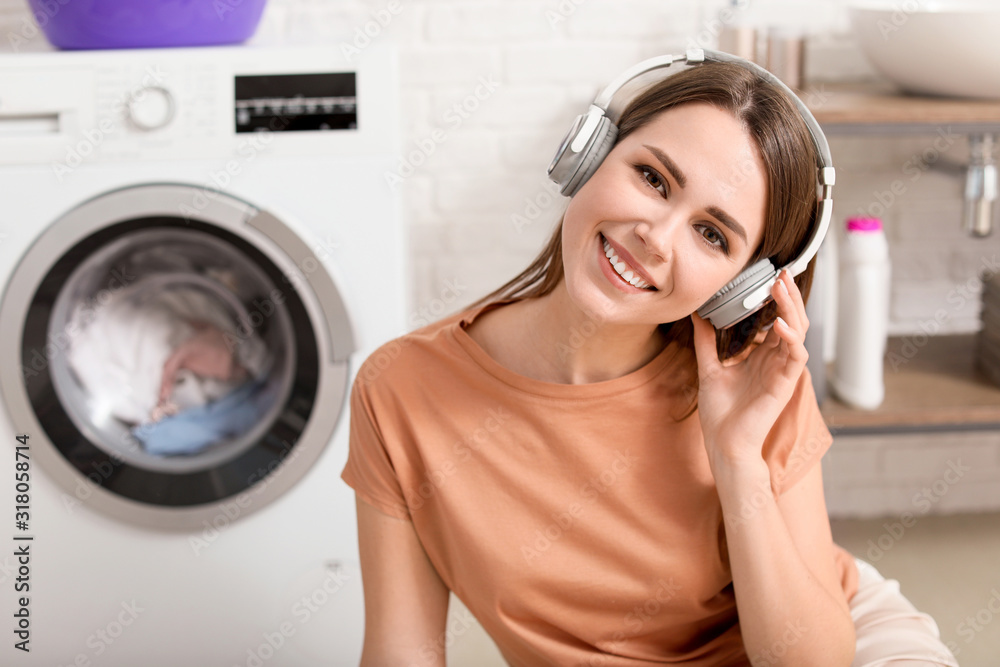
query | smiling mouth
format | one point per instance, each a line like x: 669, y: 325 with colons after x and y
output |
x: 621, y: 268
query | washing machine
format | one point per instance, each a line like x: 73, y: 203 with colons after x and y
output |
x: 157, y: 207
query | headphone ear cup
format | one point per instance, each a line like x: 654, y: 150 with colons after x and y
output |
x: 725, y: 308
x: 591, y: 157
x: 750, y: 273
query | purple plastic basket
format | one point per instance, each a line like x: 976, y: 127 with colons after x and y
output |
x: 128, y: 24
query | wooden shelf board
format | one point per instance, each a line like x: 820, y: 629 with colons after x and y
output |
x: 929, y: 381
x: 875, y: 104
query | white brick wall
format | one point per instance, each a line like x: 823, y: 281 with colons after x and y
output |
x: 480, y: 206
x: 931, y: 473
x: 548, y: 58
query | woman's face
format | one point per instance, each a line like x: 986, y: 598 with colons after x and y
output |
x: 680, y: 203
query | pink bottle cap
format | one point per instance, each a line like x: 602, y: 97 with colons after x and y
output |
x: 864, y: 225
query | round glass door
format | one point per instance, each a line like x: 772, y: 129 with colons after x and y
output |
x: 173, y: 363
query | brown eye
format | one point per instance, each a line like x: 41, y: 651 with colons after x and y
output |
x: 653, y: 179
x: 713, y: 237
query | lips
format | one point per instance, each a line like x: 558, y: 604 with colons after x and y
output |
x: 625, y: 266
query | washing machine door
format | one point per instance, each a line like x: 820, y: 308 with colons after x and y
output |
x: 178, y: 349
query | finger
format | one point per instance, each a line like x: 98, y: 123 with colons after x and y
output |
x: 704, y: 342
x: 789, y: 301
x: 796, y: 294
x: 793, y: 338
x: 773, y: 339
x: 793, y: 289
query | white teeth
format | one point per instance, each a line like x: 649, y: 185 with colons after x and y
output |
x: 622, y: 269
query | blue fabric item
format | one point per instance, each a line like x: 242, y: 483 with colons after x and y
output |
x: 191, y: 431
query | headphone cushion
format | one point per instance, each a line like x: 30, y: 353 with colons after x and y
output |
x: 757, y: 272
x: 592, y: 156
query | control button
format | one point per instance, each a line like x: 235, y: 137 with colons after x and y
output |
x: 759, y: 295
x: 151, y: 108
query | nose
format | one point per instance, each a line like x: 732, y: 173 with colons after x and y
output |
x: 657, y: 237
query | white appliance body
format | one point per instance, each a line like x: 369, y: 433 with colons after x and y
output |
x: 244, y: 553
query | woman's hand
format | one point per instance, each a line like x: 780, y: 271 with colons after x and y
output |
x: 739, y: 401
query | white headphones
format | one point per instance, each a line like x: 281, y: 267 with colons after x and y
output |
x: 593, y: 134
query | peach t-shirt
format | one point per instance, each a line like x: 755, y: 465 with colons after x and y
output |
x: 580, y: 524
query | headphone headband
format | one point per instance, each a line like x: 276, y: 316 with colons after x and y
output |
x: 606, y: 98
x: 593, y: 135
x: 611, y: 102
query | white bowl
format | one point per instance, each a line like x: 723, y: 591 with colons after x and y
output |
x: 935, y: 47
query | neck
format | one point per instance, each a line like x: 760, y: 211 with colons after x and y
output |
x: 575, y: 347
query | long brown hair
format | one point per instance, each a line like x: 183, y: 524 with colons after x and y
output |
x: 790, y: 161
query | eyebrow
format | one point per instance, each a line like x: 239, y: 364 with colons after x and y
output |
x: 668, y: 164
x: 728, y: 221
x: 681, y: 179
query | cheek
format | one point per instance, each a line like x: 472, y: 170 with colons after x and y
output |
x: 578, y: 231
x: 700, y: 278
x: 573, y: 258
x: 570, y: 240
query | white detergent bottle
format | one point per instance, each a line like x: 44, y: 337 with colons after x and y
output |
x: 862, y: 314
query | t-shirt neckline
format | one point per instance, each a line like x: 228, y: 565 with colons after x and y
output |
x: 495, y: 369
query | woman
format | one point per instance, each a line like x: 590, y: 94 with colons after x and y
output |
x: 599, y: 475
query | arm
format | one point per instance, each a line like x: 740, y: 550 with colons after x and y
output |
x: 791, y: 610
x: 791, y: 605
x: 406, y: 603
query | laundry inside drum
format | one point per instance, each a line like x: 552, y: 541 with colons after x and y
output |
x: 177, y: 351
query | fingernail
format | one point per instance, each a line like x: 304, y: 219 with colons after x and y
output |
x: 783, y: 322
x: 784, y: 287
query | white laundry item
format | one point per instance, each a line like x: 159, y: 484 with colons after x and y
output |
x: 119, y: 352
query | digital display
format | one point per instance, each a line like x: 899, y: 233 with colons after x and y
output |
x: 296, y: 102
